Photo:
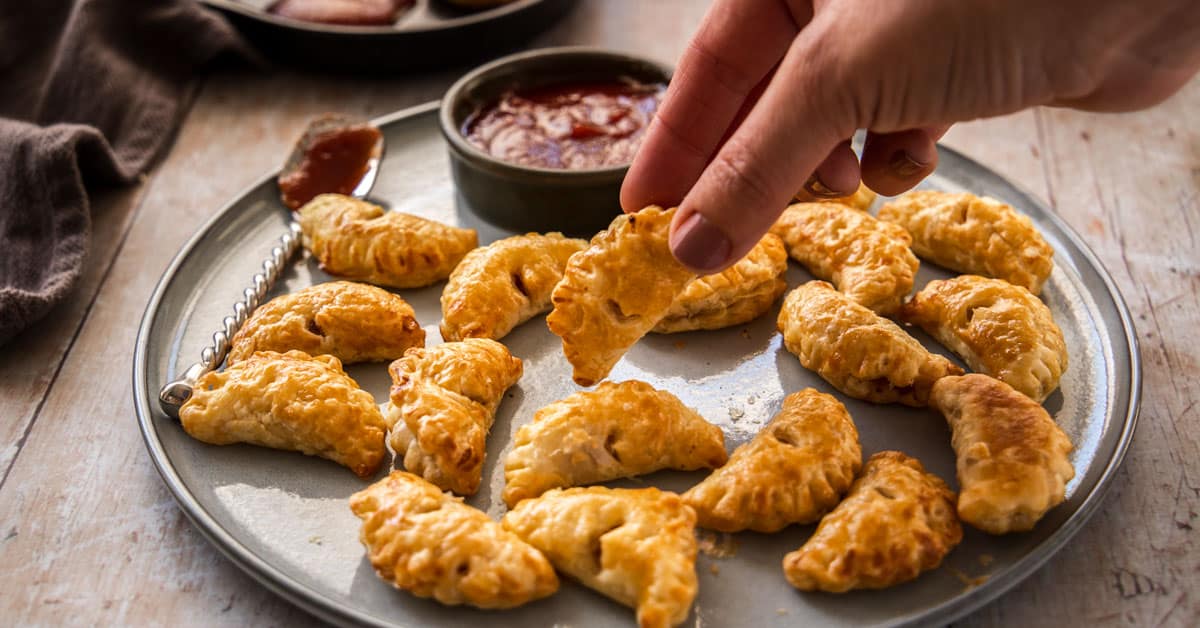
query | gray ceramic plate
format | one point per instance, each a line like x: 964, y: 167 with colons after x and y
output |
x: 283, y: 516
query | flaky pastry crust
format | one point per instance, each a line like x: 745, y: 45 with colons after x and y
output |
x: 862, y: 198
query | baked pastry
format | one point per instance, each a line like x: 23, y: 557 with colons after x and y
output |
x: 897, y: 522
x: 358, y: 240
x: 1013, y: 460
x: 499, y: 286
x: 861, y: 353
x: 353, y: 322
x: 638, y: 547
x: 615, y: 431
x: 443, y: 402
x: 972, y: 234
x: 739, y: 294
x: 795, y: 470
x: 432, y: 545
x: 288, y: 401
x: 862, y: 198
x: 615, y: 291
x: 867, y: 259
x: 996, y: 328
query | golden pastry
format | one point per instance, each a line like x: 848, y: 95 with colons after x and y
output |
x: 353, y: 322
x: 432, y: 545
x: 289, y: 401
x: 897, y: 522
x: 504, y: 284
x: 996, y: 328
x: 972, y: 234
x: 615, y: 291
x: 443, y: 402
x: 358, y: 240
x: 739, y: 294
x: 862, y: 198
x: 795, y: 470
x: 615, y: 431
x: 1013, y: 459
x: 866, y: 258
x: 638, y: 547
x: 861, y: 353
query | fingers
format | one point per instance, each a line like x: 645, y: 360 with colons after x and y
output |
x: 892, y: 163
x: 837, y: 176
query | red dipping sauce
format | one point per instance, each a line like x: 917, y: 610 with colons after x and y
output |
x: 575, y: 126
x: 333, y: 162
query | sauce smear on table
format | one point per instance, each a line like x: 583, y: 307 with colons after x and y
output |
x: 333, y: 163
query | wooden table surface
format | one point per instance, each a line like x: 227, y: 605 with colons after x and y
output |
x: 89, y: 534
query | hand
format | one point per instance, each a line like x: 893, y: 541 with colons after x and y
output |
x: 769, y: 91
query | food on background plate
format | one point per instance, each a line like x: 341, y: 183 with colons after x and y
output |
x: 637, y: 546
x: 897, y: 521
x: 342, y: 12
x: 501, y: 285
x: 1013, y: 460
x: 615, y: 431
x: 477, y: 4
x: 430, y: 544
x: 862, y: 198
x: 290, y: 401
x: 794, y: 471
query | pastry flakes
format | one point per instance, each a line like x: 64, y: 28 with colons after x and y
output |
x: 996, y: 327
x: 897, y: 522
x: 638, y: 547
x: 443, y: 402
x: 504, y: 284
x: 1013, y: 459
x: 867, y: 259
x: 288, y: 401
x: 358, y: 240
x: 972, y: 234
x: 861, y: 353
x: 615, y: 291
x: 862, y: 198
x: 431, y: 544
x: 351, y: 321
x: 795, y: 470
x: 616, y: 431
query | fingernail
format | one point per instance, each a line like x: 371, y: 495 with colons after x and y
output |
x: 699, y: 244
x: 818, y: 189
x: 902, y: 164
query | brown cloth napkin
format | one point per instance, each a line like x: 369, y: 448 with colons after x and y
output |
x: 91, y: 91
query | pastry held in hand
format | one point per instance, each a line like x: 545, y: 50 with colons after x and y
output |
x: 358, y: 240
x: 499, y: 286
x: 615, y: 291
x: 861, y: 199
x: 353, y: 322
x: 996, y: 327
x: 1013, y: 459
x: 865, y: 258
x: 795, y: 470
x: 897, y: 521
x: 290, y: 401
x: 972, y: 234
x: 638, y: 547
x: 432, y: 545
x: 615, y: 431
x: 443, y: 402
x: 861, y: 353
x: 736, y: 295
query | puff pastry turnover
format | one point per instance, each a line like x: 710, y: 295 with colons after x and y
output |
x: 795, y: 470
x: 866, y: 258
x: 739, y: 294
x: 996, y: 327
x: 638, y: 547
x: 504, y: 284
x: 358, y: 240
x: 861, y: 353
x: 615, y: 291
x: 862, y: 198
x: 443, y: 402
x: 972, y: 234
x: 897, y: 522
x: 353, y: 322
x: 1013, y: 459
x: 289, y: 401
x: 616, y: 431
x: 431, y: 544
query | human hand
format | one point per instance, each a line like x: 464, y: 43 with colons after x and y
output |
x: 769, y: 91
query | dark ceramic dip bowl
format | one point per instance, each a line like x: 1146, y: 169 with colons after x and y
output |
x: 526, y: 198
